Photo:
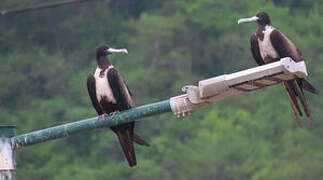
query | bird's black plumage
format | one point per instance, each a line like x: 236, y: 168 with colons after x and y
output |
x: 109, y: 93
x: 255, y: 50
x: 92, y: 92
x: 269, y: 45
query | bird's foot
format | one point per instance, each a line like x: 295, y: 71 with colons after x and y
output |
x: 112, y: 114
x: 101, y: 116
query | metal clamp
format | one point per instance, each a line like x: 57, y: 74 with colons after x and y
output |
x: 181, y: 105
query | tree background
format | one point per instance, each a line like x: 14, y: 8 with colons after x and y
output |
x: 46, y: 55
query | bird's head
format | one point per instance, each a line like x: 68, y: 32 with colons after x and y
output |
x: 261, y: 18
x: 105, y: 50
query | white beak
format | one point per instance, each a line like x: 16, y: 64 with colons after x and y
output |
x: 244, y: 20
x: 112, y: 50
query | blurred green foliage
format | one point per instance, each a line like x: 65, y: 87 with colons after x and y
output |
x: 46, y: 55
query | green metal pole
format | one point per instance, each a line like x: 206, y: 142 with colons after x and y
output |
x: 7, y: 161
x: 90, y: 124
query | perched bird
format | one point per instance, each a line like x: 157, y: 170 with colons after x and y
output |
x: 269, y: 45
x: 110, y: 94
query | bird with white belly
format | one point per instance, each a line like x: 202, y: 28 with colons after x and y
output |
x: 269, y: 45
x: 110, y: 94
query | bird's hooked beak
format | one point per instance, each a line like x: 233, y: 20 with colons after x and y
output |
x: 245, y: 20
x: 112, y: 50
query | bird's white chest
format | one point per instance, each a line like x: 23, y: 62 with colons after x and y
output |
x: 265, y: 46
x: 103, y: 88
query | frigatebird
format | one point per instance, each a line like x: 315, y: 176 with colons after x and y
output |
x: 110, y: 94
x: 269, y: 45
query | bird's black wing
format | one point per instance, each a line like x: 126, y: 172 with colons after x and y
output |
x: 280, y: 44
x: 255, y: 50
x: 122, y: 94
x: 285, y: 48
x: 128, y: 88
x: 125, y: 137
x: 125, y: 132
x: 92, y: 93
x: 120, y: 90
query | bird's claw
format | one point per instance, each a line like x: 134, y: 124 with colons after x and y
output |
x: 112, y: 114
x: 101, y: 116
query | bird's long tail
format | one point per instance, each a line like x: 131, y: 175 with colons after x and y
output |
x: 293, y: 102
x: 307, y: 86
x: 125, y: 136
x: 137, y: 139
x: 293, y: 90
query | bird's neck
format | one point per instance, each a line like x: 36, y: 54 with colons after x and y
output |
x: 260, y: 30
x: 262, y: 26
x: 103, y: 62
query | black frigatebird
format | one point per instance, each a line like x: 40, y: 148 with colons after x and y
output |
x: 269, y: 45
x: 110, y: 94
